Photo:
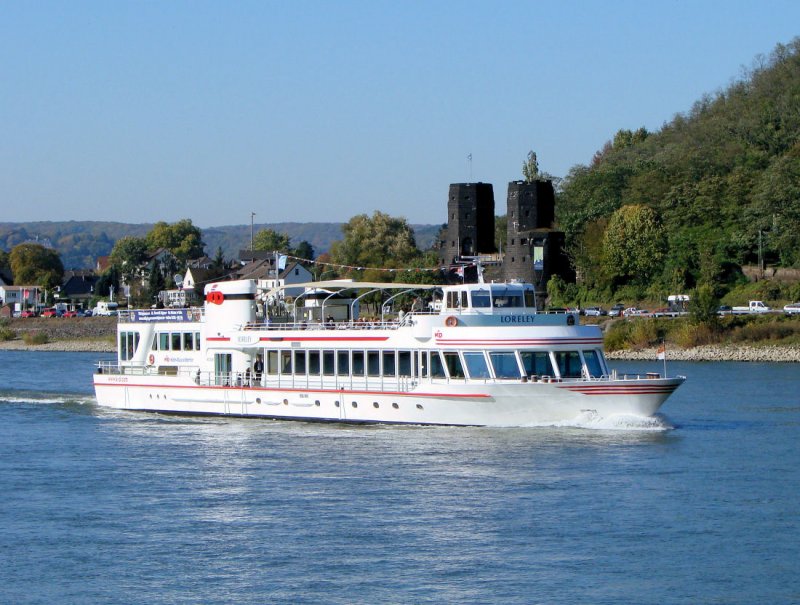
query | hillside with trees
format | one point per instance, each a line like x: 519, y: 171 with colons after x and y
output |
x: 712, y: 190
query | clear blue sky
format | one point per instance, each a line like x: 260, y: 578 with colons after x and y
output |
x: 318, y: 111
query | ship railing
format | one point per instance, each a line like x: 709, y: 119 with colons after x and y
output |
x: 317, y: 325
x: 401, y: 384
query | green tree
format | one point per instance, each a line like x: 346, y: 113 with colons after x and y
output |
x: 4, y: 259
x: 183, y: 239
x: 33, y: 264
x: 128, y: 254
x: 530, y: 168
x: 633, y: 246
x: 304, y: 250
x: 378, y: 241
x: 269, y: 240
x: 703, y: 305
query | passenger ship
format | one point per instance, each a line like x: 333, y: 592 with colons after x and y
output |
x: 482, y: 356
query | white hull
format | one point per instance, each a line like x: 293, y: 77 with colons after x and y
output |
x: 519, y: 404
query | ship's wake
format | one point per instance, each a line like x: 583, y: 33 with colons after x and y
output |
x: 618, y: 422
x: 45, y: 398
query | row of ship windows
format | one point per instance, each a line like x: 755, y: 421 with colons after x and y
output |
x: 162, y: 341
x: 435, y: 364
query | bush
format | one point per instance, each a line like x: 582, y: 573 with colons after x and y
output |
x: 689, y: 335
x: 770, y: 329
x: 35, y: 338
x: 7, y: 333
x: 643, y: 333
x: 617, y: 336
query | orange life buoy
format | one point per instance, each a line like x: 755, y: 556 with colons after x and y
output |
x: 451, y: 322
x: 215, y: 297
x: 152, y: 359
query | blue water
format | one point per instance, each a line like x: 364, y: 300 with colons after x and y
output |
x: 101, y: 506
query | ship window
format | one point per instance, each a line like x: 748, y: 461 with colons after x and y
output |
x: 453, y: 362
x: 188, y: 341
x: 299, y: 362
x: 507, y: 298
x: 464, y: 302
x: 313, y: 363
x: 358, y: 363
x: 437, y: 367
x: 389, y: 363
x: 452, y: 300
x: 272, y: 362
x: 175, y: 340
x: 155, y: 342
x: 373, y: 363
x: 163, y: 341
x: 593, y: 364
x: 530, y: 301
x: 476, y: 365
x: 505, y: 364
x: 423, y: 363
x: 480, y: 298
x: 197, y: 341
x: 286, y: 362
x: 128, y: 343
x: 404, y: 363
x: 569, y: 364
x: 328, y: 359
x: 343, y: 359
x: 537, y: 363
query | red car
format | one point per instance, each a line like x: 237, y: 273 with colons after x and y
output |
x: 28, y: 314
x: 70, y: 314
x: 49, y: 313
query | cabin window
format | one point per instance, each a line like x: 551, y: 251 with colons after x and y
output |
x: 464, y: 302
x: 128, y: 343
x: 222, y: 368
x: 476, y: 364
x: 437, y: 367
x: 505, y: 364
x: 453, y: 363
x: 272, y: 362
x: 404, y: 363
x: 155, y: 342
x: 530, y: 299
x: 299, y: 362
x: 328, y: 363
x: 313, y: 363
x: 389, y: 363
x: 452, y: 300
x: 358, y: 363
x: 423, y: 363
x: 175, y: 340
x: 569, y: 364
x: 593, y: 364
x: 373, y: 363
x: 286, y: 362
x: 537, y: 363
x: 507, y: 298
x: 480, y: 299
x: 188, y: 341
x: 163, y: 341
x: 197, y: 341
x: 343, y: 359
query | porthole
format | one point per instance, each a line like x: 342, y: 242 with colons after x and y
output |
x: 375, y: 404
x: 316, y: 403
x: 285, y: 402
x: 336, y: 403
x: 395, y: 406
x: 419, y: 406
x: 355, y: 405
x: 258, y: 399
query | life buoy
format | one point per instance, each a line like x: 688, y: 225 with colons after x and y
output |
x: 451, y: 322
x: 215, y: 297
x: 152, y: 359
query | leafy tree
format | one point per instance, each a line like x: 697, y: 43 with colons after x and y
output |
x: 633, y: 246
x: 703, y: 305
x: 530, y: 168
x: 379, y: 241
x: 34, y: 264
x: 182, y: 239
x: 156, y: 282
x: 304, y: 250
x: 500, y: 231
x: 4, y: 259
x: 128, y: 255
x: 271, y: 241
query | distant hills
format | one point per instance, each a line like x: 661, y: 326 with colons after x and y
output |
x: 80, y: 242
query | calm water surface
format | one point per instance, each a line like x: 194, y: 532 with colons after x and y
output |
x: 101, y: 506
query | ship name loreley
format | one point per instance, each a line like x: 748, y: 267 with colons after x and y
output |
x: 482, y: 356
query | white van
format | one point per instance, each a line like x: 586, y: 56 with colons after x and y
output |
x: 105, y: 308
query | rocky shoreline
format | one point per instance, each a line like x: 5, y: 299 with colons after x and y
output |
x: 753, y: 353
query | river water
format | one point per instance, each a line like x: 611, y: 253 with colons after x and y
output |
x: 99, y: 506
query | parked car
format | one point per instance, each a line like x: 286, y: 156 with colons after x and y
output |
x: 616, y: 310
x: 792, y: 309
x: 86, y: 313
x: 724, y: 310
x: 28, y: 314
x: 594, y: 312
x: 49, y: 313
x: 634, y: 312
x: 70, y: 314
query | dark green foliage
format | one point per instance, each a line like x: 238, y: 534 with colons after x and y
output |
x: 703, y: 305
x: 715, y: 177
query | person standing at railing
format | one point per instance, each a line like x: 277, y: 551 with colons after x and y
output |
x: 258, y: 368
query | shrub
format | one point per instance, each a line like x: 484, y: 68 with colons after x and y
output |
x: 35, y: 338
x: 7, y: 333
x: 617, y: 335
x: 643, y: 333
x: 689, y: 335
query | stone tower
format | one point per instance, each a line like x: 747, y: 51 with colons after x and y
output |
x: 470, y: 221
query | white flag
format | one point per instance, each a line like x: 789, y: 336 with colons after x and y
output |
x: 661, y: 352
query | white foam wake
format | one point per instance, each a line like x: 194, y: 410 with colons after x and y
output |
x: 618, y: 422
x: 39, y: 398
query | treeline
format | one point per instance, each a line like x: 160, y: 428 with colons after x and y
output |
x: 716, y: 188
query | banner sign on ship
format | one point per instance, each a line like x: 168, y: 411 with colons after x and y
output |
x: 150, y: 315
